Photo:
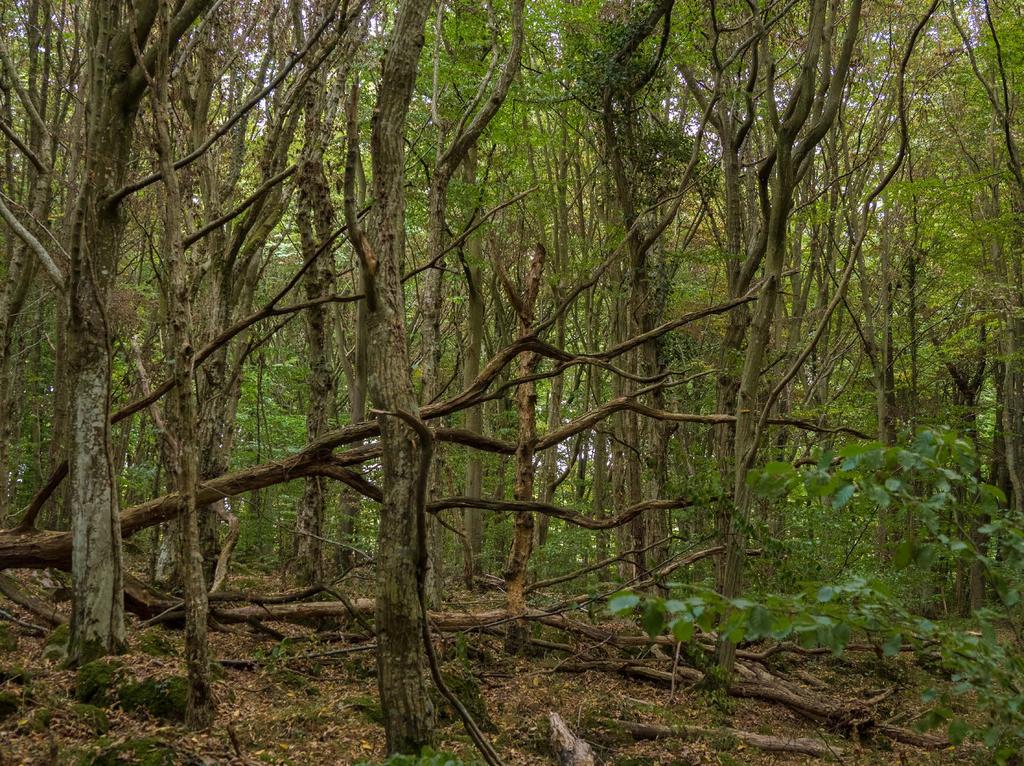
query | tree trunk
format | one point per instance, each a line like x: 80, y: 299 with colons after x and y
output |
x: 525, y: 470
x: 473, y: 520
x: 97, y: 623
x: 315, y: 222
x: 408, y: 713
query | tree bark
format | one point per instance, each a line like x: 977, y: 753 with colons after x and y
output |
x: 525, y: 470
x: 408, y: 713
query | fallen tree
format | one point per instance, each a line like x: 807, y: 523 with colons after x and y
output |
x: 818, y: 748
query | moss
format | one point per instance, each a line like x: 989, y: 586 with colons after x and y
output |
x: 145, y: 751
x: 8, y: 704
x: 89, y: 651
x: 93, y: 717
x: 14, y: 674
x: 292, y: 680
x: 361, y: 666
x: 463, y: 684
x: 39, y: 721
x: 161, y: 698
x: 8, y: 640
x: 56, y: 647
x: 96, y: 681
x: 156, y: 643
x: 310, y: 714
x: 369, y: 707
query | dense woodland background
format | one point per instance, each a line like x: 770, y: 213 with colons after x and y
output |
x: 670, y: 349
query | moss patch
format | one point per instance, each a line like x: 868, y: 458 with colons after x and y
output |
x: 161, y: 698
x: 14, y: 674
x: 93, y: 717
x: 463, y: 684
x: 56, y: 647
x: 96, y: 681
x: 8, y: 640
x: 38, y: 721
x: 156, y: 643
x: 145, y: 751
x: 9, y: 704
x: 369, y: 707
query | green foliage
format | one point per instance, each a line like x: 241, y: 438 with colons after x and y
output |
x: 929, y: 480
x: 369, y: 707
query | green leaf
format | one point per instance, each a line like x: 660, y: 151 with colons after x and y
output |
x: 840, y: 638
x: 892, y: 645
x: 682, y: 629
x: 654, y: 618
x: 903, y: 554
x: 759, y: 623
x: 825, y: 594
x: 958, y: 730
x: 778, y: 469
x: 842, y: 496
x: 623, y: 602
x: 925, y: 555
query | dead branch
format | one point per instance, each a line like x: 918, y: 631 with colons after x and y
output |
x: 804, y: 745
x: 577, y: 519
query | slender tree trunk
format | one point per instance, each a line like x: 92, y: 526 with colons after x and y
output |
x: 408, y: 714
x: 183, y: 442
x: 525, y: 470
x: 473, y: 518
x: 316, y: 222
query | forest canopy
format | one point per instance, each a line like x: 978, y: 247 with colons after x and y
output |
x: 576, y: 381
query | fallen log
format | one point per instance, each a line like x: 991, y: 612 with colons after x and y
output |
x: 285, y: 597
x: 683, y: 674
x: 310, y: 611
x: 803, y: 745
x: 846, y: 716
x: 837, y: 714
x: 570, y: 750
x: 911, y: 737
x: 39, y: 548
x: 46, y: 612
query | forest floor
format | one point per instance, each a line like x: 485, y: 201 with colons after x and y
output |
x: 277, y: 704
